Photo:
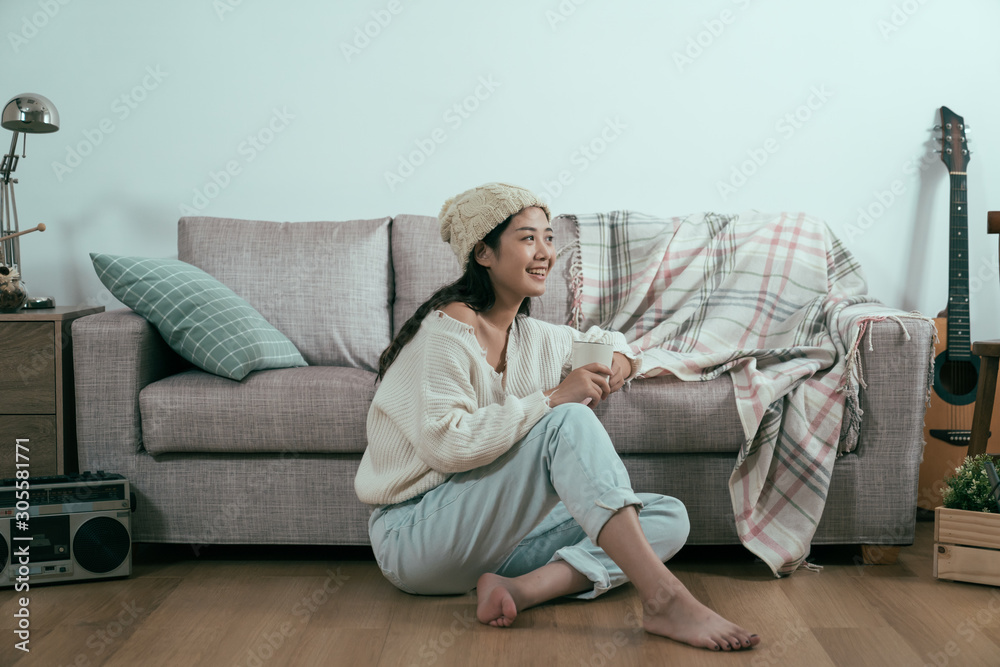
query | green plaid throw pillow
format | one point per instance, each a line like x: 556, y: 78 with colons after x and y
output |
x: 200, y: 318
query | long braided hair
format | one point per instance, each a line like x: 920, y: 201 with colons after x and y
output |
x: 474, y: 289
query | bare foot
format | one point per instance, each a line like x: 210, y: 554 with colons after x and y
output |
x: 496, y: 604
x: 678, y: 615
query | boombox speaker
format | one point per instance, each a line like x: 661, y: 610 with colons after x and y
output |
x: 76, y: 528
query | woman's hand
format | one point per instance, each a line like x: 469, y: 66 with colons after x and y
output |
x: 588, y: 385
x: 620, y: 367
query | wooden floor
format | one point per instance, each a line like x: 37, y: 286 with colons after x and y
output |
x: 251, y: 607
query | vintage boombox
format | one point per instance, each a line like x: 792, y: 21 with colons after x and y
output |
x: 77, y: 528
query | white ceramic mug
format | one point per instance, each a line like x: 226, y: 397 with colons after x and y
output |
x: 589, y: 353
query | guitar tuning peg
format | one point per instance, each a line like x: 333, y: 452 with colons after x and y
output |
x: 937, y: 127
x: 937, y: 151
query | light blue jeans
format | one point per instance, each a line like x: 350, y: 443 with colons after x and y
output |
x: 545, y: 499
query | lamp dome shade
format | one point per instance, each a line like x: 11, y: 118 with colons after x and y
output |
x: 28, y: 112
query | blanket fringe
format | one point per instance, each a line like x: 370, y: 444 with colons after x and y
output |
x: 930, y: 366
x: 914, y: 315
x: 575, y: 278
x: 854, y: 376
x: 854, y: 371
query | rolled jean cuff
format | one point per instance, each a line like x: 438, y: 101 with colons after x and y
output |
x: 588, y: 566
x: 605, y: 507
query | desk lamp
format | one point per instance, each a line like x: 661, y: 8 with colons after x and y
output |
x: 24, y: 114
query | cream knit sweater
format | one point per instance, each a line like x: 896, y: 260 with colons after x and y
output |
x: 442, y: 409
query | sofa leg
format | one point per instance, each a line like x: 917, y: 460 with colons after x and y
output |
x: 876, y: 554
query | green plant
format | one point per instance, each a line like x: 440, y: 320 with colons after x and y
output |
x: 969, y: 488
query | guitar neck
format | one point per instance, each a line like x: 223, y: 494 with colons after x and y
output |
x: 959, y: 338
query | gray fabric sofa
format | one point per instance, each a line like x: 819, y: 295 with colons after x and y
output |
x: 272, y: 459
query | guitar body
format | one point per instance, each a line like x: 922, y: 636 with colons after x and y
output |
x: 947, y: 420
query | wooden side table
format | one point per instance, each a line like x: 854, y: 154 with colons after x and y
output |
x: 36, y: 388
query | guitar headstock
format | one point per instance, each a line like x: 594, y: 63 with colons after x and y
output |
x: 955, y: 151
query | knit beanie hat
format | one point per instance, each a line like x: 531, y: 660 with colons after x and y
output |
x: 467, y: 218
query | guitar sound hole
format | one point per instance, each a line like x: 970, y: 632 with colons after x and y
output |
x: 959, y: 377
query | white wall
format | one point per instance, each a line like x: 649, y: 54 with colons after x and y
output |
x: 155, y: 98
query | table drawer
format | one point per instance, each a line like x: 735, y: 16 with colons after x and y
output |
x: 27, y: 368
x: 40, y: 430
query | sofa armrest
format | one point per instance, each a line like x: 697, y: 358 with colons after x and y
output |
x: 896, y: 366
x: 115, y: 354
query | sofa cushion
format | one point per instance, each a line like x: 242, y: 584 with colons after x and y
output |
x: 423, y: 263
x: 325, y: 408
x: 325, y: 285
x: 664, y: 415
x: 199, y: 317
x: 313, y: 409
x: 677, y: 417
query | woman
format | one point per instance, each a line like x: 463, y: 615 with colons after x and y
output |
x: 489, y: 470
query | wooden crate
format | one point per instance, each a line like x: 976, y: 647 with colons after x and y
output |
x: 967, y: 546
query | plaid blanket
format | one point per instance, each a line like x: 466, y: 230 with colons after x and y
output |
x: 775, y: 301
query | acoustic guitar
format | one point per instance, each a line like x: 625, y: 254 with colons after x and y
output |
x: 948, y: 420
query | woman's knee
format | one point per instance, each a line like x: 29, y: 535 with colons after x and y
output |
x: 573, y: 417
x: 575, y: 411
x: 433, y: 579
x: 569, y: 424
